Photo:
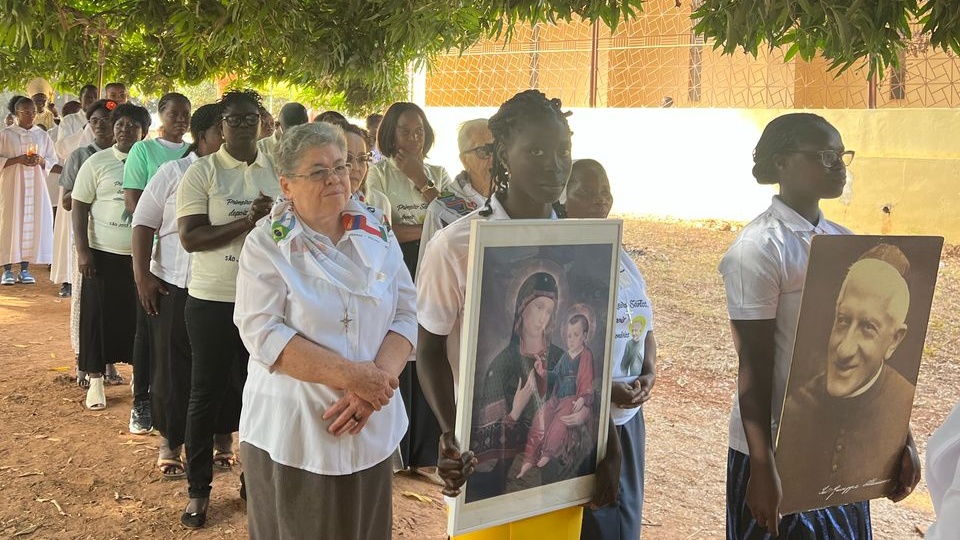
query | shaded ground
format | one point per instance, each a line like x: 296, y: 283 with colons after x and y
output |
x: 106, y: 486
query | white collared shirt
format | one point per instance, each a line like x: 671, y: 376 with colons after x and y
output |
x: 293, y: 280
x: 442, y: 281
x: 943, y: 477
x: 763, y: 273
x: 157, y: 209
x: 99, y: 184
x: 221, y: 188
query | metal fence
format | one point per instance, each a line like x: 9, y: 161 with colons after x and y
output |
x: 655, y: 60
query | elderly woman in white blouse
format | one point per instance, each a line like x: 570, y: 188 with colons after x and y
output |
x: 326, y: 309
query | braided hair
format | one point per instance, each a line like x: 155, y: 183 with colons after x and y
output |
x: 204, y: 118
x: 233, y: 97
x: 167, y: 99
x: 782, y: 135
x: 525, y: 108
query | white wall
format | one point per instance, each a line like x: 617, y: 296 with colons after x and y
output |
x: 683, y: 163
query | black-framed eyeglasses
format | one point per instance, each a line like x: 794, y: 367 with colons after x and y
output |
x: 359, y: 159
x: 235, y: 120
x: 483, y: 151
x: 829, y: 158
x: 321, y: 175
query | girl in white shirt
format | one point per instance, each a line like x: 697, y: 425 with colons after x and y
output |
x: 161, y: 284
x: 763, y: 273
x: 531, y: 165
x: 633, y: 360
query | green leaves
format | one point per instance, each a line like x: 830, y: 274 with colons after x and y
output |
x: 357, y: 49
x: 845, y: 32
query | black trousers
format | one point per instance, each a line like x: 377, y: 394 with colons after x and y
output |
x: 171, y: 362
x: 141, y: 357
x: 420, y: 445
x: 108, y: 308
x: 216, y: 388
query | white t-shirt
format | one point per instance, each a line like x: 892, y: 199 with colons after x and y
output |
x: 442, y: 282
x: 943, y: 477
x: 100, y: 184
x: 293, y: 280
x: 409, y: 205
x: 634, y: 312
x: 157, y: 209
x: 222, y: 188
x: 763, y: 273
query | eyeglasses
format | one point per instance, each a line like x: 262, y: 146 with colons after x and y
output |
x: 127, y: 125
x: 248, y: 120
x: 359, y: 159
x: 97, y: 120
x: 829, y: 158
x: 321, y: 175
x: 483, y: 151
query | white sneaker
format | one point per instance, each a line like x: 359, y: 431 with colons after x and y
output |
x: 96, y: 397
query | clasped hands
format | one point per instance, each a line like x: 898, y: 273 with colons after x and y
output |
x: 370, y: 389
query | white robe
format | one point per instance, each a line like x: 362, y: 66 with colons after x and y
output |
x: 61, y: 271
x: 26, y: 215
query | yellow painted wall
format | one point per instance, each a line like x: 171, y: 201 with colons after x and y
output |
x: 908, y: 161
x: 905, y: 178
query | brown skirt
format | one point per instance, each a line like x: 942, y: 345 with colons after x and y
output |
x: 286, y: 503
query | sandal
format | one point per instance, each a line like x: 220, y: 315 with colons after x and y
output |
x: 224, y: 460
x: 96, y: 397
x: 171, y: 468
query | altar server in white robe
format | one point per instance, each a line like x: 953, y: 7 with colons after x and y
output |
x: 26, y: 215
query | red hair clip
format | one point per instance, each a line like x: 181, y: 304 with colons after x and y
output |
x: 110, y: 105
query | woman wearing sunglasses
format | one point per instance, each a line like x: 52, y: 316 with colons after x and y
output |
x: 470, y: 189
x: 219, y: 200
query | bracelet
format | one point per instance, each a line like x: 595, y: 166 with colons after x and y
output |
x: 428, y: 186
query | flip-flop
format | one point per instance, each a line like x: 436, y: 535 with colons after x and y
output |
x: 224, y: 460
x: 96, y: 397
x: 171, y: 468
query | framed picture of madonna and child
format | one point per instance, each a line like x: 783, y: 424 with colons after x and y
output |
x: 534, y: 386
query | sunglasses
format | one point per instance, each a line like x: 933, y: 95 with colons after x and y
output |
x: 483, y: 151
x: 236, y: 120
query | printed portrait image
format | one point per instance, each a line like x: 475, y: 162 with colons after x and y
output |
x: 863, y: 320
x: 539, y: 367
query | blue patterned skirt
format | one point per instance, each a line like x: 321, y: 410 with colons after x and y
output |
x: 845, y: 522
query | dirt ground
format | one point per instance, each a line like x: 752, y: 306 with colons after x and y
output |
x: 70, y: 473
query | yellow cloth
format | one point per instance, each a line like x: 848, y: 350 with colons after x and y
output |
x: 557, y: 525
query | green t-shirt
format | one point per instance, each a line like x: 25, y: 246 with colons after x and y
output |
x: 145, y: 158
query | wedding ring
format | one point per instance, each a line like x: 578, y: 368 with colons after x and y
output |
x: 356, y: 419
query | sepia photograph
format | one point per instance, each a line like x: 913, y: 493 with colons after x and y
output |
x: 535, y: 366
x: 863, y: 321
